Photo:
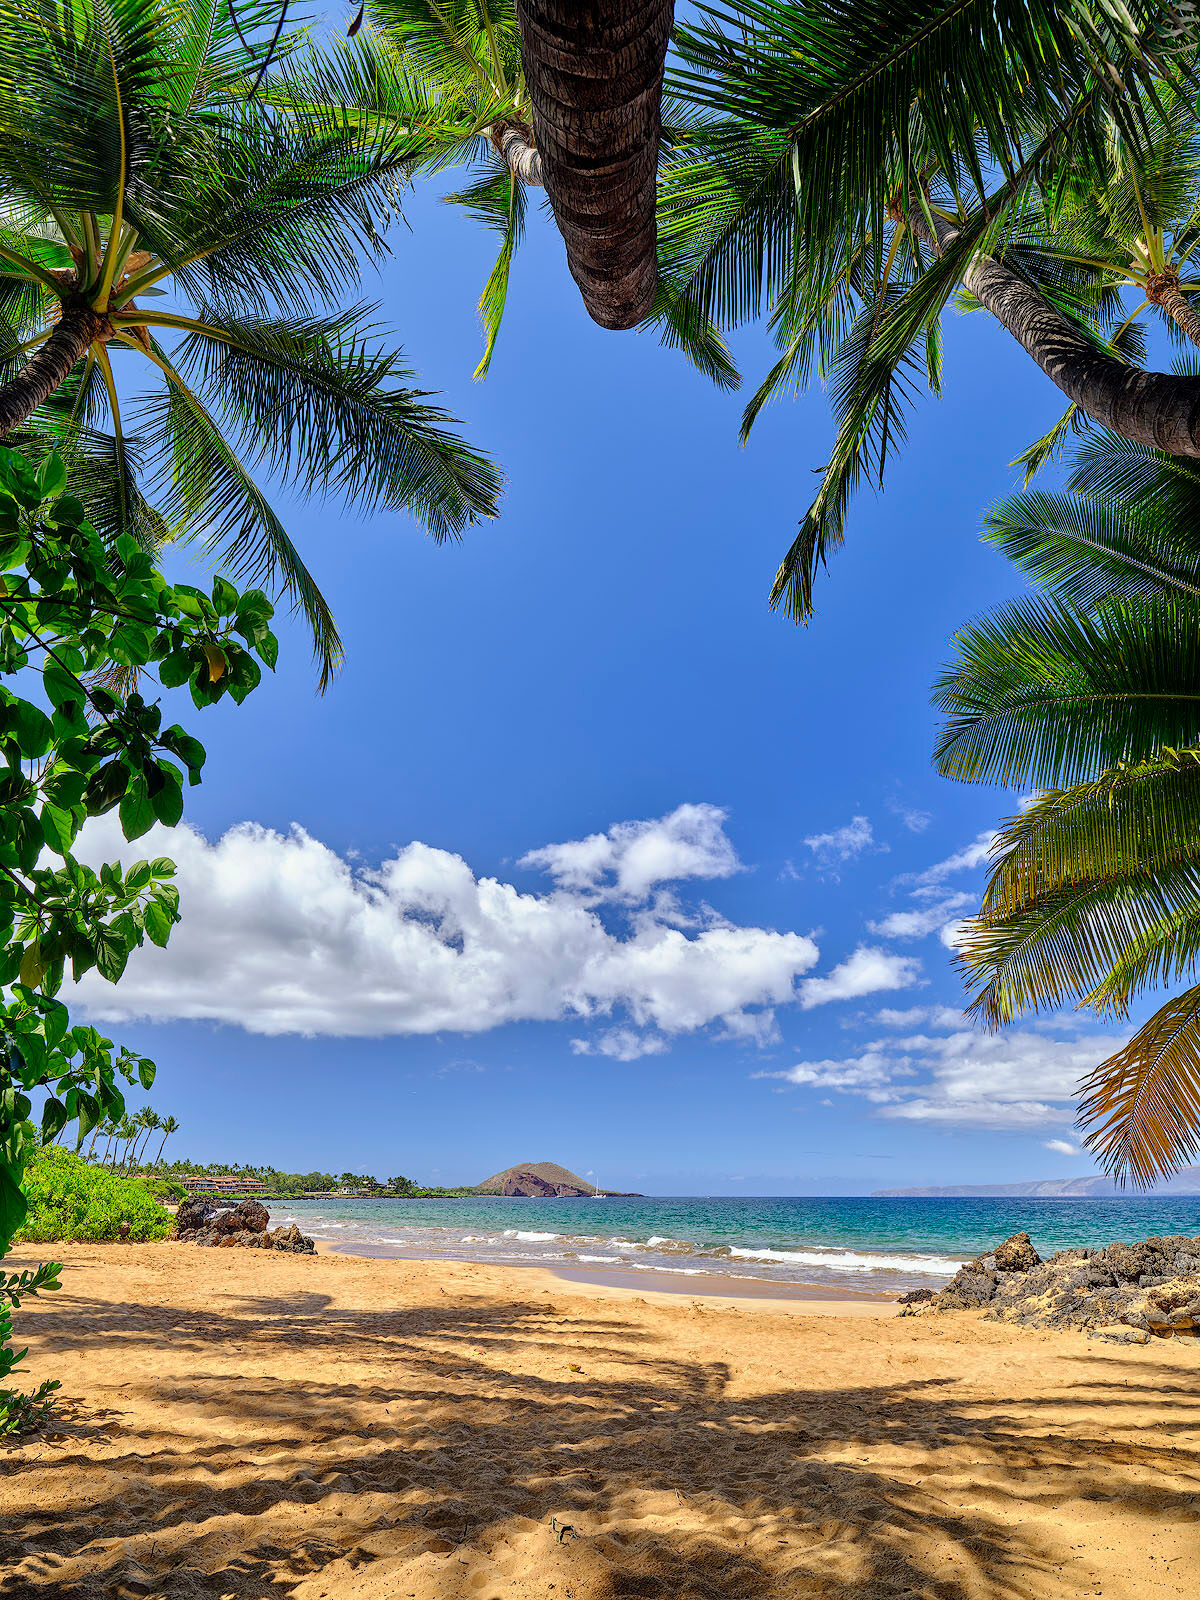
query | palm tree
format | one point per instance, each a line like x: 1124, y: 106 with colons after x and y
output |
x: 123, y: 1133
x: 1087, y: 693
x: 169, y: 1126
x: 442, y: 86
x: 110, y: 1134
x: 133, y: 167
x: 151, y: 1122
x: 850, y: 164
x: 1123, y: 232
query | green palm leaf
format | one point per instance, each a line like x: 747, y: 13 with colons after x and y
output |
x: 1043, y: 695
x: 1141, y: 1108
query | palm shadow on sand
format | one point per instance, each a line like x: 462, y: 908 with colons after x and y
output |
x: 668, y: 1485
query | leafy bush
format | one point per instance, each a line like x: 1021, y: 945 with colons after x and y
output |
x: 164, y: 1189
x: 68, y: 1199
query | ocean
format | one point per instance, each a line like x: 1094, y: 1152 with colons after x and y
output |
x: 882, y: 1246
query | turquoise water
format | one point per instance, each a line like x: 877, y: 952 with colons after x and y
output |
x: 883, y: 1245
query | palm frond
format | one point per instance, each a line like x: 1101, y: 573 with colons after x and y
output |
x: 1085, y: 550
x: 332, y: 408
x: 1041, y: 694
x: 1140, y: 1111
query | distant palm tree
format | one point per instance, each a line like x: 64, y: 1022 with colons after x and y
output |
x: 168, y: 1126
x: 123, y: 1132
x: 1087, y: 694
x: 134, y: 165
x: 151, y: 1122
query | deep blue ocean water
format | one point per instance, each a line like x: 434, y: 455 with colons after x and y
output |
x: 880, y: 1245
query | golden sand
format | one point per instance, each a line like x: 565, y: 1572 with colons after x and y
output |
x: 255, y: 1425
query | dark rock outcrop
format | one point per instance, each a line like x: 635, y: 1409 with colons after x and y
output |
x: 243, y: 1226
x: 1129, y: 1291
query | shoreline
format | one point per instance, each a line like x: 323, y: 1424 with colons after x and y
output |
x: 816, y: 1298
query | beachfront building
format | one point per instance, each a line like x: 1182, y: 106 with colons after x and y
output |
x: 221, y: 1184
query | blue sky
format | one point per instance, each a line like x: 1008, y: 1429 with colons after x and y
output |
x: 728, y: 998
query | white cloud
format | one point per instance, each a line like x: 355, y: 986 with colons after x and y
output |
x: 922, y: 920
x: 967, y: 859
x: 632, y: 857
x: 622, y: 1044
x: 752, y: 1027
x: 954, y: 934
x: 1062, y: 1147
x: 842, y: 844
x: 939, y: 1017
x: 281, y: 935
x: 964, y: 1079
x: 870, y: 1074
x: 865, y: 972
x: 914, y: 820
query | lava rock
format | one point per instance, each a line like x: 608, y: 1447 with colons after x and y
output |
x: 1138, y: 1288
x: 291, y: 1239
x: 213, y: 1225
x: 969, y: 1289
x: 191, y: 1213
x: 1017, y: 1254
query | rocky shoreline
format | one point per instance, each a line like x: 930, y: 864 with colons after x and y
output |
x: 1127, y: 1293
x: 244, y: 1225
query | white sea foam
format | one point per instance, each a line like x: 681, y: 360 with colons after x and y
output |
x: 854, y: 1261
x: 529, y: 1238
x: 608, y: 1260
x: 686, y: 1272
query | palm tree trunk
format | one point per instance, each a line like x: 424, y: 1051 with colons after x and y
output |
x: 514, y: 144
x: 50, y: 364
x: 161, y: 1148
x: 594, y: 70
x: 1156, y: 409
x: 1179, y: 308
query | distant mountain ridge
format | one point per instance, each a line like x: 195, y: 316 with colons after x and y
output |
x: 1185, y: 1181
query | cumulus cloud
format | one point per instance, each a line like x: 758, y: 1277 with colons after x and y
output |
x: 281, y: 935
x: 1061, y: 1147
x: 921, y: 921
x: 867, y: 971
x: 629, y: 860
x: 963, y: 1079
x: 842, y: 844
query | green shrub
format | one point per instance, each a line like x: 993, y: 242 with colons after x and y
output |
x: 164, y: 1189
x: 68, y: 1199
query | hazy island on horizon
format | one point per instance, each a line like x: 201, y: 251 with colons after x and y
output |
x: 1184, y: 1182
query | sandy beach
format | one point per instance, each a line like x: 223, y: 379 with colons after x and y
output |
x: 249, y: 1425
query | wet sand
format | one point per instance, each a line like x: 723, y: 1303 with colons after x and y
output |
x: 816, y: 1297
x: 239, y: 1425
